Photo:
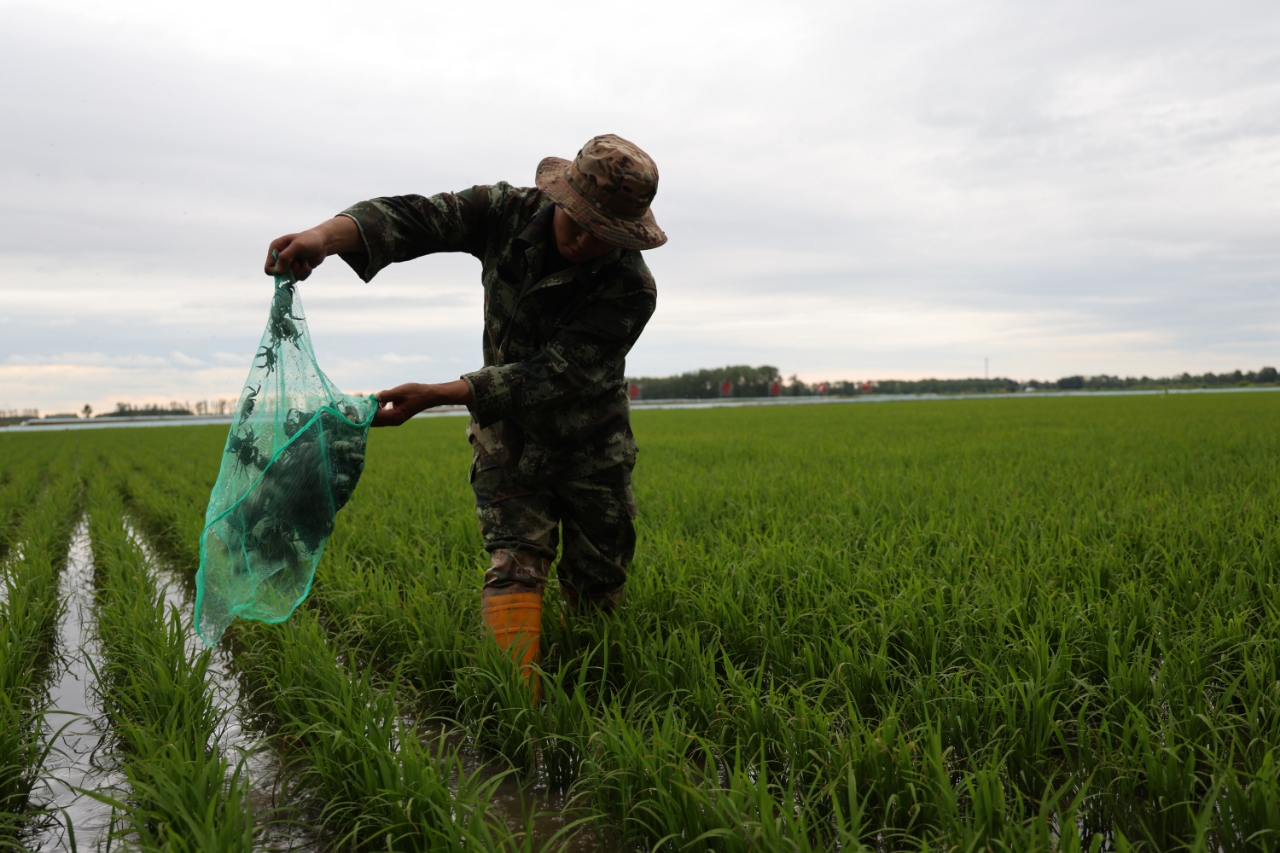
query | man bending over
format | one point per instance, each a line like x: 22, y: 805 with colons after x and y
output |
x: 566, y: 295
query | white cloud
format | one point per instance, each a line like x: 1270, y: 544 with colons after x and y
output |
x: 65, y: 386
x: 87, y: 359
x: 395, y: 358
x: 874, y: 189
x: 185, y: 360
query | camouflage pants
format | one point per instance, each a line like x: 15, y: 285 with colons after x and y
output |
x: 522, y: 526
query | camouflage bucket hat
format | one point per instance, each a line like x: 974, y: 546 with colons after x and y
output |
x: 607, y: 190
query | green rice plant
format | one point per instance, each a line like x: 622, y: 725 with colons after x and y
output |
x: 355, y: 762
x: 19, y: 483
x: 1250, y: 807
x: 499, y: 709
x: 427, y: 625
x: 388, y: 797
x: 175, y: 803
x: 167, y: 492
x: 29, y: 614
x: 970, y: 624
x: 562, y: 728
x: 670, y: 790
x: 183, y: 792
x: 30, y: 478
x: 374, y: 781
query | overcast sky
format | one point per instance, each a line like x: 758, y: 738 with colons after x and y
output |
x: 851, y: 190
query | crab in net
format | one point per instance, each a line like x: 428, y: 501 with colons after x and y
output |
x: 281, y: 319
x: 244, y: 447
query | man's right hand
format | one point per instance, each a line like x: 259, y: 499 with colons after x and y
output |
x: 396, y: 405
x: 306, y: 250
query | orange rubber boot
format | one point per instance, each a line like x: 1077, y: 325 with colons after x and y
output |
x: 515, y: 618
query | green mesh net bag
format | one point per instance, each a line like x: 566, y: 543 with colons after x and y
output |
x: 293, y: 457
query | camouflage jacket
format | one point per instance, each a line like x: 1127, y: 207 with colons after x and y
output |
x: 551, y: 401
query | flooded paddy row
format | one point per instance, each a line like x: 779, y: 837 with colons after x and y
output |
x: 78, y: 752
x: 82, y: 759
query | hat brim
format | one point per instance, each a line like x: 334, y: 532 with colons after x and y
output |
x: 642, y: 233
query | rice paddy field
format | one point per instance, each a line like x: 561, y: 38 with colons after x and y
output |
x: 1025, y: 624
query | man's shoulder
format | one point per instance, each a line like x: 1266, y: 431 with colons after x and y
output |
x: 503, y: 198
x: 633, y: 274
x: 507, y: 210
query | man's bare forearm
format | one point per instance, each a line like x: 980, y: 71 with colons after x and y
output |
x: 455, y: 393
x: 340, y: 235
x: 397, y: 405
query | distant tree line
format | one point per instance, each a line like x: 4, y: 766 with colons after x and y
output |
x: 1103, y: 382
x: 128, y: 410
x: 125, y: 410
x: 13, y: 416
x: 765, y: 381
x: 744, y: 381
x: 995, y: 385
x: 201, y: 407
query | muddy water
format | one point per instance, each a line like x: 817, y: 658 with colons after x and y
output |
x: 544, y: 808
x: 547, y: 815
x: 77, y: 758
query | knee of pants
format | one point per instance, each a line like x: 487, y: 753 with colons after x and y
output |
x: 518, y: 567
x: 514, y: 517
x: 599, y: 531
x: 595, y: 565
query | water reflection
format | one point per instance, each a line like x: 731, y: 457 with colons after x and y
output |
x: 6, y: 561
x: 80, y: 755
x: 239, y: 739
x: 77, y: 757
x: 519, y: 803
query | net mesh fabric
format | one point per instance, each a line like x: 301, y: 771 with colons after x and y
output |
x: 293, y: 456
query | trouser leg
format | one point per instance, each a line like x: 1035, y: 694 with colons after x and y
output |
x: 520, y: 532
x: 598, y: 515
x: 520, y: 529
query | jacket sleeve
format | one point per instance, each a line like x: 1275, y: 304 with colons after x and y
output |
x: 584, y: 354
x: 401, y: 228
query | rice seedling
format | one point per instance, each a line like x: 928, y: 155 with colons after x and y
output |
x: 355, y: 764
x: 987, y: 591
x: 1031, y: 624
x: 352, y: 764
x: 28, y: 616
x: 19, y: 483
x: 183, y: 792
